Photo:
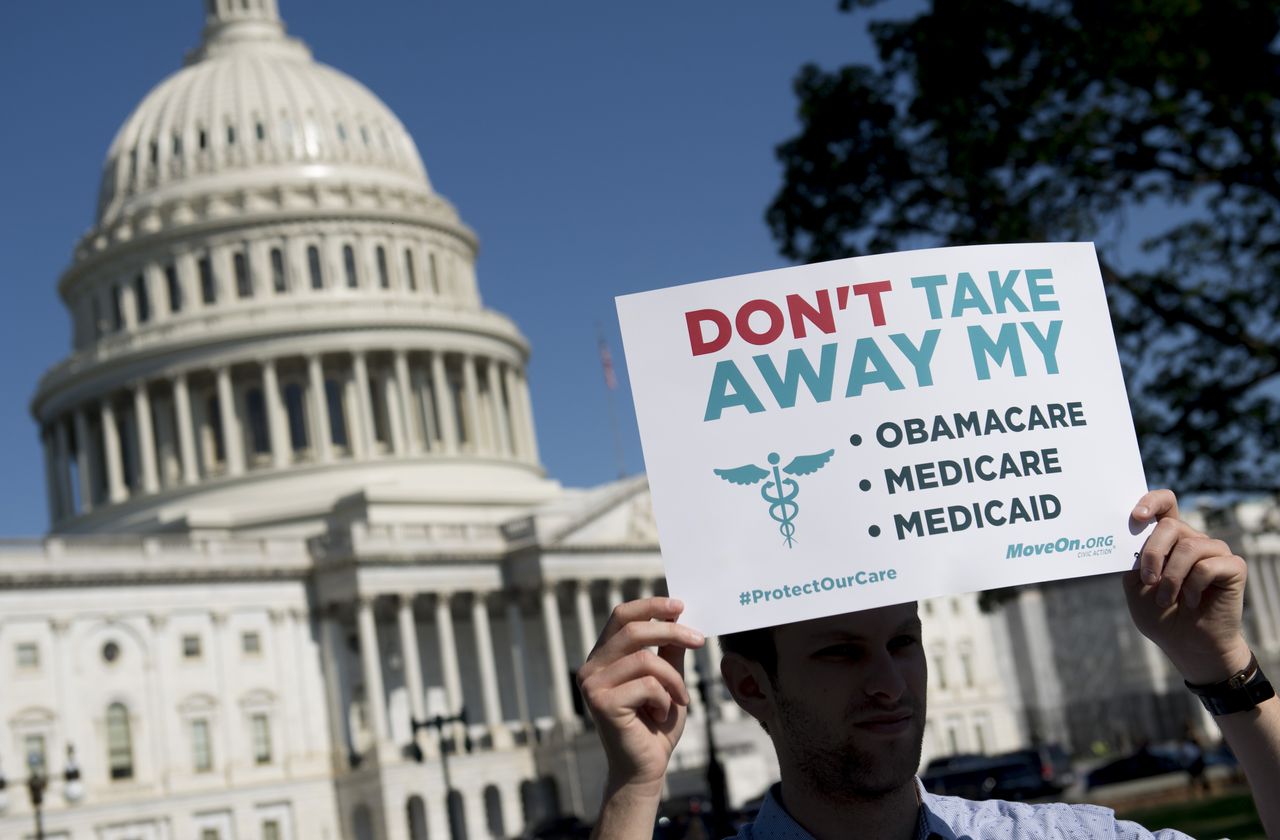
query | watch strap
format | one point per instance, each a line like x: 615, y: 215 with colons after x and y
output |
x: 1239, y: 692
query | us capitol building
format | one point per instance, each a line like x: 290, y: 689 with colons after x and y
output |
x: 297, y: 506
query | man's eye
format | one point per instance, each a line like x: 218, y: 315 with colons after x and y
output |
x: 839, y: 652
x: 900, y: 642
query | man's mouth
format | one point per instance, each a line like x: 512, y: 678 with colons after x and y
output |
x: 891, y: 723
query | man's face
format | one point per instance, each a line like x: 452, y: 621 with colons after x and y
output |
x: 849, y: 701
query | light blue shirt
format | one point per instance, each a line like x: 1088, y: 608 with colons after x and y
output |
x: 953, y: 818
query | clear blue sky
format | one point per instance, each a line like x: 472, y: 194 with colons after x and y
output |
x: 598, y: 148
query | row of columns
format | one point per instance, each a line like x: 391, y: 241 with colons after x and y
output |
x: 442, y: 403
x: 1264, y: 596
x: 489, y: 703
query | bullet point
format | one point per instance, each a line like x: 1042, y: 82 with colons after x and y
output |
x: 856, y: 440
x: 864, y: 485
x: 874, y: 530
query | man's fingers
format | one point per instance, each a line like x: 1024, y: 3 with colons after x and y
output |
x: 638, y: 666
x: 646, y: 693
x: 1155, y: 555
x: 645, y: 609
x: 1156, y: 504
x: 1189, y: 551
x: 1222, y: 570
x: 644, y: 634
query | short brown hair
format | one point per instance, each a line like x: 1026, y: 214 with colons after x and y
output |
x: 754, y: 646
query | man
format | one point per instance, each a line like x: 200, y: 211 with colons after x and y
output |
x: 843, y: 699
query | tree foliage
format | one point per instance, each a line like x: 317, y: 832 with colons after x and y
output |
x: 1048, y: 120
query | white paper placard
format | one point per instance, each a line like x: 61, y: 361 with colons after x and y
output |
x: 875, y: 430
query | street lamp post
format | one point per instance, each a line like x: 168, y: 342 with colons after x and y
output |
x: 37, y: 783
x: 438, y: 723
x: 716, y: 786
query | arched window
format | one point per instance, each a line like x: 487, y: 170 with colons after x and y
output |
x: 175, y: 290
x: 279, y: 281
x: 294, y: 407
x: 208, y: 289
x: 434, y: 273
x: 349, y: 265
x: 493, y: 811
x: 410, y: 276
x: 117, y: 309
x: 141, y: 299
x: 313, y: 267
x: 416, y: 813
x: 244, y: 283
x: 119, y: 742
x: 384, y: 279
x: 257, y: 409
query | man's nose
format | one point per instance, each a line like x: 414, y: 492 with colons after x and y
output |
x: 885, y: 680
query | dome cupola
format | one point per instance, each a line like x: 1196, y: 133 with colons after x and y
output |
x: 273, y: 310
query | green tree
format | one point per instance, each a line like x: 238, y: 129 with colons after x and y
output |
x: 1003, y: 121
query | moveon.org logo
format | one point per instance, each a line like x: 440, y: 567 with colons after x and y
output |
x: 1061, y: 545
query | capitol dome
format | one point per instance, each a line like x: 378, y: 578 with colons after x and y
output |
x: 273, y: 311
x: 252, y: 107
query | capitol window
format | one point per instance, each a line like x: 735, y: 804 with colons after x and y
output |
x: 270, y: 830
x: 201, y: 746
x: 244, y: 283
x: 190, y: 647
x: 175, y: 290
x: 349, y: 265
x: 117, y: 308
x: 384, y: 279
x: 208, y: 291
x: 34, y: 750
x: 296, y: 412
x: 278, y: 280
x: 256, y: 407
x: 141, y: 299
x: 410, y: 275
x: 28, y: 656
x: 231, y: 134
x: 313, y: 267
x: 119, y: 742
x: 251, y: 643
x: 261, y: 729
x: 203, y: 139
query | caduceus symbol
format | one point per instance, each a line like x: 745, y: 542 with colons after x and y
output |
x: 781, y: 492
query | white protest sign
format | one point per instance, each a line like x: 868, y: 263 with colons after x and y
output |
x: 880, y: 429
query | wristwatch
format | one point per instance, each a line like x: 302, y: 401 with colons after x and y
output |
x: 1239, y: 692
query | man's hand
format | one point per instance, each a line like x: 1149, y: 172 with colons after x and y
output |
x: 1187, y: 594
x: 637, y: 697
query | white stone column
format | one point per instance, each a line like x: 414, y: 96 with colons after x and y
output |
x: 412, y: 434
x: 615, y: 593
x: 514, y: 420
x: 116, y: 491
x: 445, y: 410
x: 160, y: 698
x: 146, y: 438
x: 331, y: 645
x: 646, y: 588
x: 84, y: 461
x: 1265, y: 601
x: 392, y: 404
x: 488, y: 671
x: 304, y: 662
x: 321, y: 434
x: 1270, y: 568
x: 186, y: 435
x: 412, y: 658
x: 506, y: 444
x: 277, y: 429
x: 449, y: 660
x: 62, y: 461
x: 361, y: 369
x: 519, y: 656
x: 371, y: 664
x: 290, y: 681
x: 228, y: 694
x: 471, y: 398
x: 526, y: 409
x: 586, y: 619
x: 429, y: 431
x: 232, y: 438
x: 561, y: 701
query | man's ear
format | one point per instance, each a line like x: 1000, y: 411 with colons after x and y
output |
x: 749, y: 685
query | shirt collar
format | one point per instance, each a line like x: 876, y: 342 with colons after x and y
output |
x: 774, y: 823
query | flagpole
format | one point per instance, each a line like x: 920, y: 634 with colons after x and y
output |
x: 611, y: 385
